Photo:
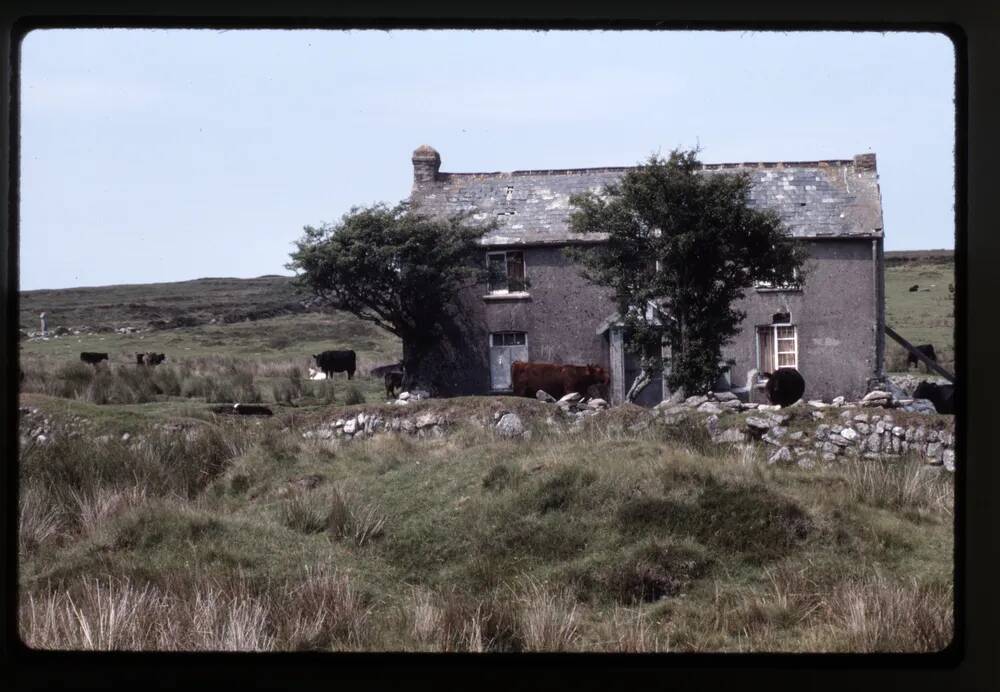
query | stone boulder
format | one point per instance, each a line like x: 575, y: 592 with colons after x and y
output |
x: 542, y: 395
x: 877, y: 398
x: 510, y: 425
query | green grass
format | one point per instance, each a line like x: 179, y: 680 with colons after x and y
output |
x: 925, y: 316
x: 215, y: 532
x: 600, y: 539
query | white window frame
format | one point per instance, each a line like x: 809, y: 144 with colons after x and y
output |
x: 794, y: 285
x: 506, y: 291
x: 761, y: 380
x: 509, y: 331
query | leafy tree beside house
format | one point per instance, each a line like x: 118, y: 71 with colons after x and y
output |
x: 393, y: 267
x: 682, y: 246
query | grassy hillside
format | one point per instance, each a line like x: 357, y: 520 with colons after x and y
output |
x: 204, y: 533
x: 268, y: 347
x: 147, y: 522
x: 924, y: 316
x: 137, y: 304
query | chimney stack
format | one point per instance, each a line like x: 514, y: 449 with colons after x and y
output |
x: 864, y: 162
x: 426, y: 162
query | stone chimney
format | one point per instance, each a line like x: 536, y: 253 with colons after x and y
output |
x: 426, y: 162
x: 864, y: 162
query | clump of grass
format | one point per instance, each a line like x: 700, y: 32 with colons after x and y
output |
x: 348, y: 519
x: 745, y: 518
x: 74, y: 378
x: 907, y: 484
x: 323, y: 391
x: 549, y: 618
x: 353, y: 395
x: 877, y: 614
x: 324, y: 612
x: 631, y: 631
x: 303, y: 513
x: 562, y: 489
x: 501, y: 477
x: 38, y: 520
x: 653, y: 571
x: 282, y: 393
x: 167, y: 379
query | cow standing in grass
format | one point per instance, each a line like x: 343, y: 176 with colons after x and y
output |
x: 337, y: 361
x: 91, y: 358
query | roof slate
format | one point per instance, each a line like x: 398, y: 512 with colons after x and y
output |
x: 815, y: 199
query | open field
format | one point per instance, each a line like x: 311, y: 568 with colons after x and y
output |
x: 198, y: 532
x: 147, y: 522
x: 924, y: 316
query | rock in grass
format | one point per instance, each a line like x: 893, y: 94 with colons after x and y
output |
x: 782, y: 456
x: 542, y: 395
x: 729, y: 436
x: 510, y: 425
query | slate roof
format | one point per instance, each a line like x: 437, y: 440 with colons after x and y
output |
x: 834, y: 199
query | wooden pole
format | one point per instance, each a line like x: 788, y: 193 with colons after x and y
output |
x: 920, y: 356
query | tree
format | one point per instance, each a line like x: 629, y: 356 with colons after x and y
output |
x: 395, y: 268
x: 682, y: 246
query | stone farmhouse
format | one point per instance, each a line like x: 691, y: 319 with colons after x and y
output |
x: 537, y: 306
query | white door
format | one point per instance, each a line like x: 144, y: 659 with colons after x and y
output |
x: 505, y: 348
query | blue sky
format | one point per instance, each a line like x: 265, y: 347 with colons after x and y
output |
x: 164, y: 155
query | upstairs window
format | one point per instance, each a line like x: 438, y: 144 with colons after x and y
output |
x: 792, y: 285
x: 506, y: 272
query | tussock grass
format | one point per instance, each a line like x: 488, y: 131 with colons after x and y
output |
x: 902, y: 484
x: 607, y: 538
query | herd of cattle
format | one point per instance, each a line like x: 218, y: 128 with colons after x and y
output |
x: 784, y: 387
x: 148, y: 358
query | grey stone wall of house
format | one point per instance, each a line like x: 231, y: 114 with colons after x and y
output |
x: 559, y: 316
x: 835, y: 315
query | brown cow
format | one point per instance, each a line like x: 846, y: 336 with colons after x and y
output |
x: 557, y: 380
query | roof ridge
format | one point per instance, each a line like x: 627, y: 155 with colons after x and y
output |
x: 615, y: 169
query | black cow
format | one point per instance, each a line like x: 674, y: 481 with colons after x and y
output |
x: 784, y: 386
x: 91, y: 358
x: 914, y: 288
x: 926, y: 349
x: 140, y: 358
x: 393, y: 381
x: 337, y: 361
x: 941, y: 395
x: 155, y: 358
